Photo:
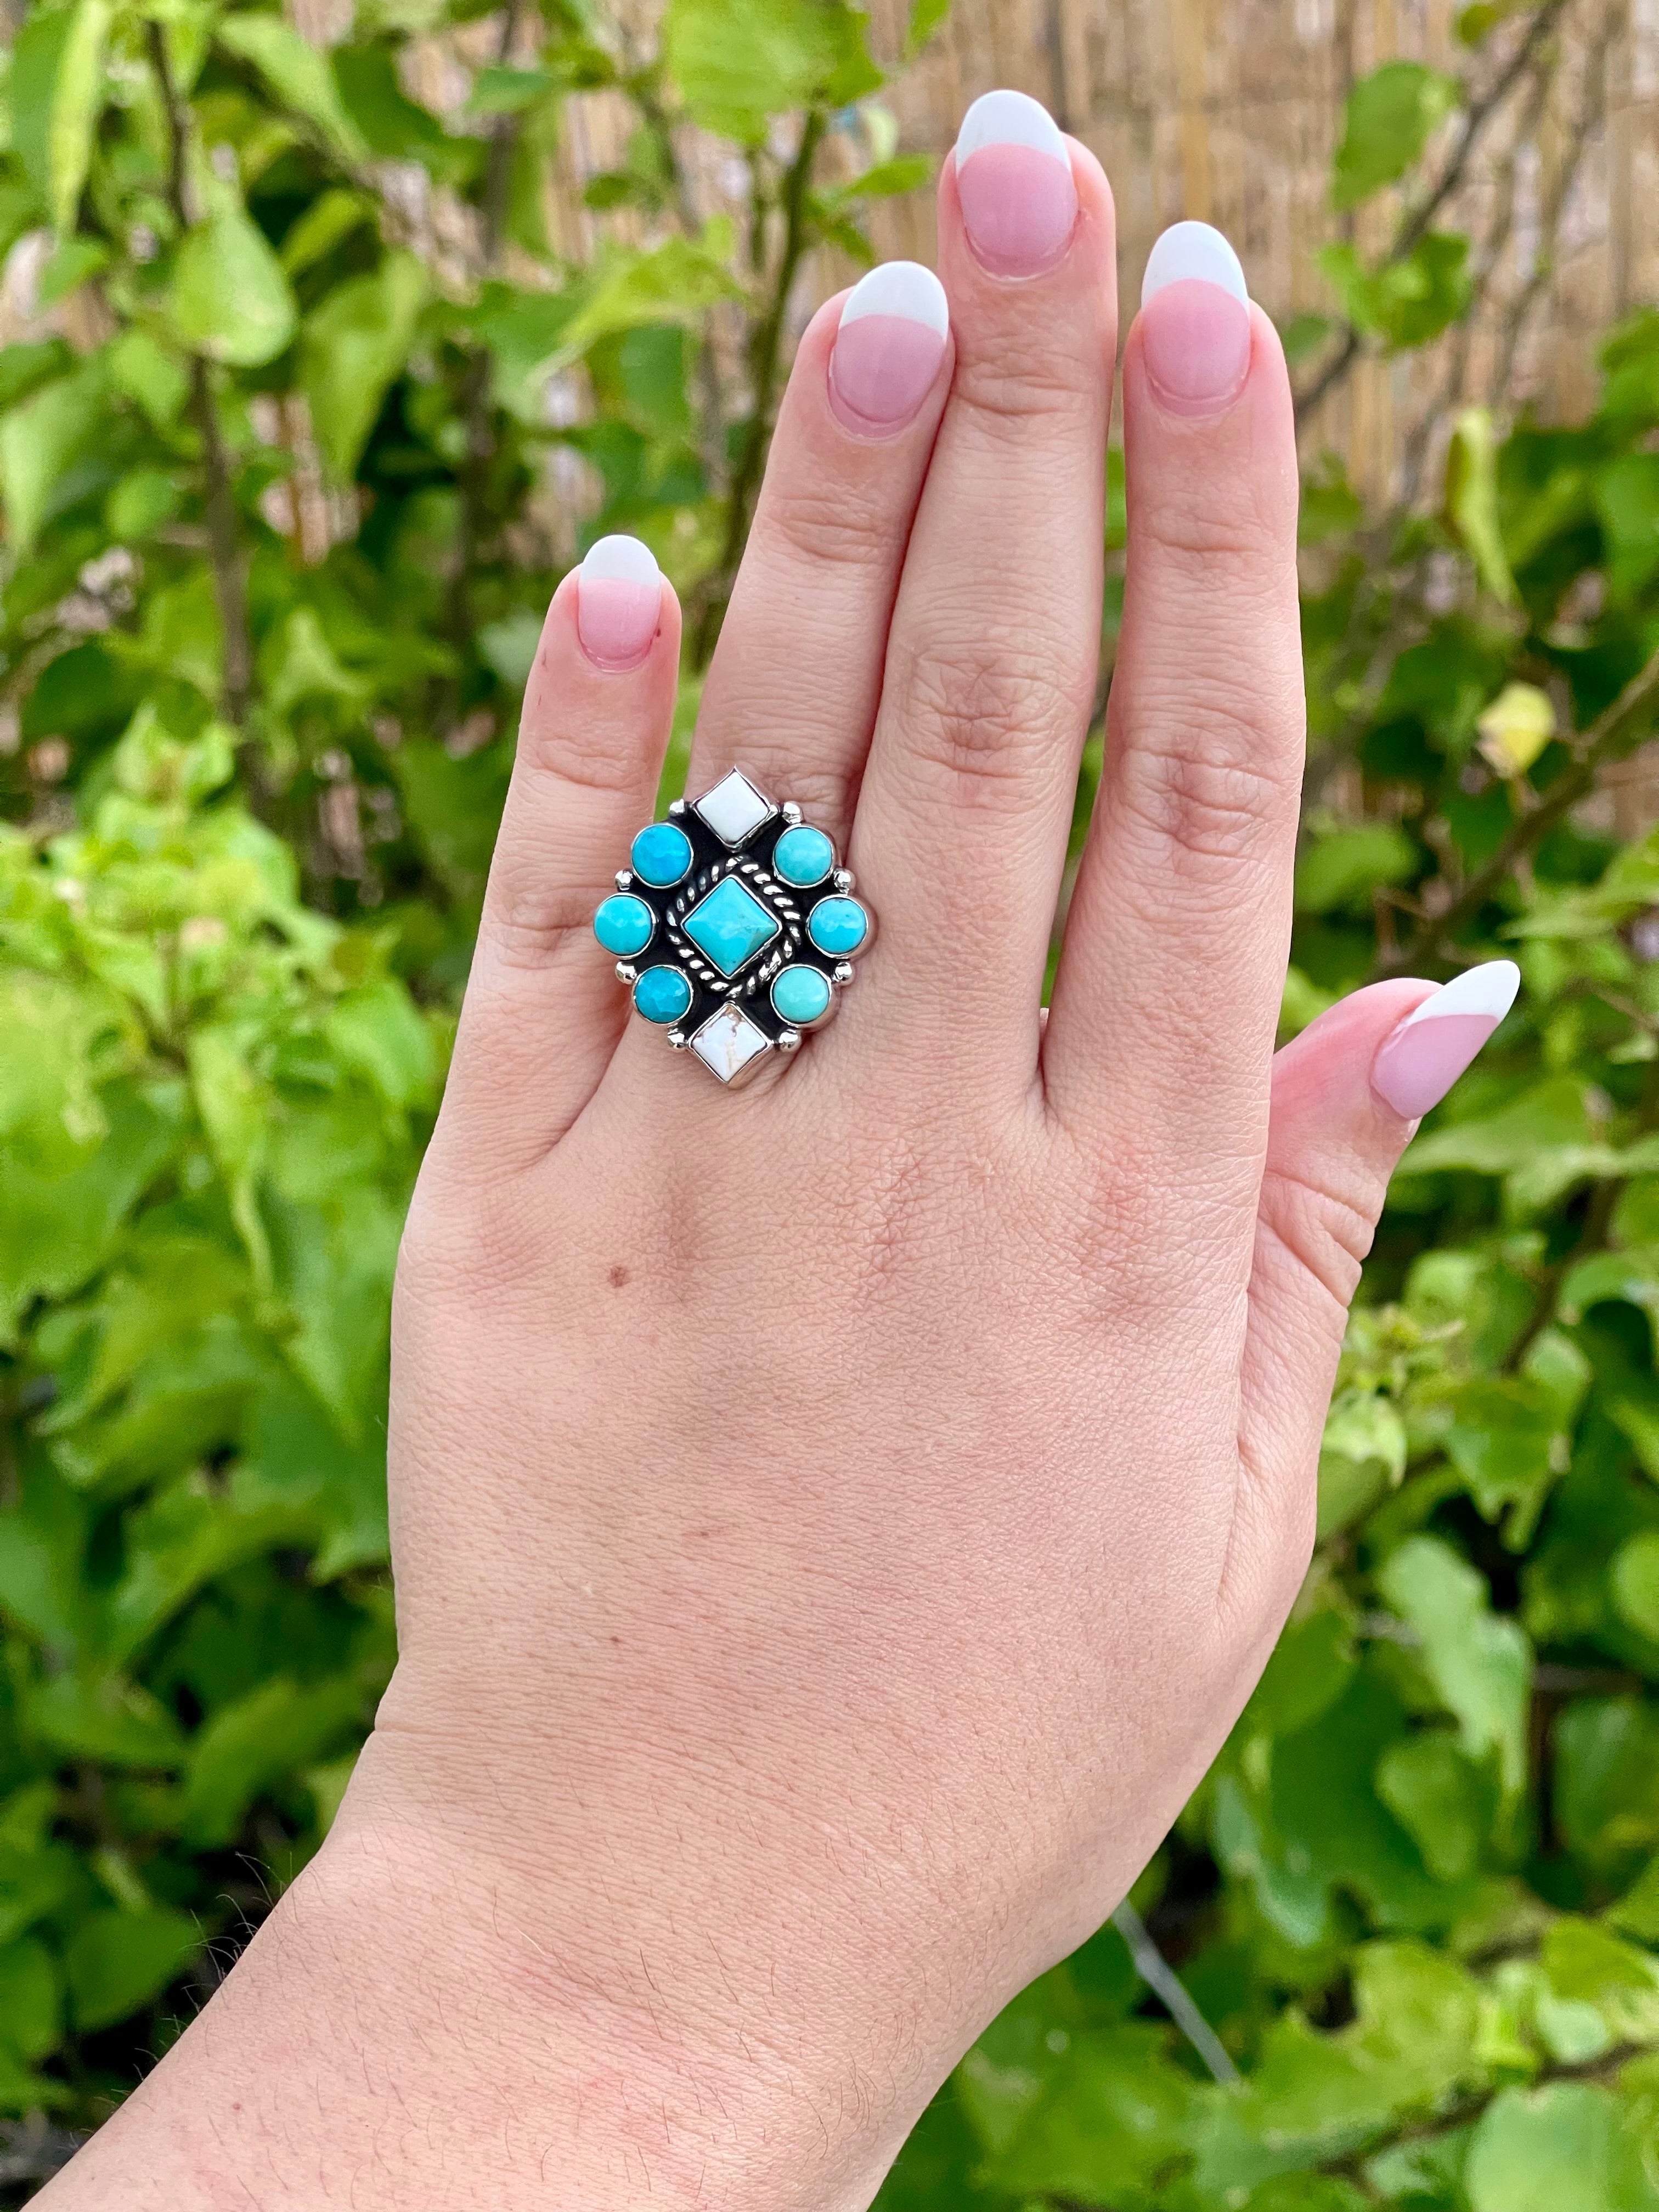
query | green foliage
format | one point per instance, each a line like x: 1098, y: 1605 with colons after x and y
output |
x: 277, y: 548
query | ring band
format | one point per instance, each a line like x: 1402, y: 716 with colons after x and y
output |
x: 733, y: 927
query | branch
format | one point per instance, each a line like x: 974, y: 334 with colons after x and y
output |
x: 1613, y: 734
x: 765, y: 353
x: 1415, y: 225
x: 1162, y: 1979
x: 219, y: 499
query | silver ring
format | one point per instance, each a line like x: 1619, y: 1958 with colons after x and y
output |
x: 734, y: 927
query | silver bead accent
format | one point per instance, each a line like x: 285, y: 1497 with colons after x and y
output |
x: 790, y: 812
x: 627, y: 972
x: 788, y: 1039
x: 843, y: 972
x: 678, y: 1039
x: 677, y: 807
x: 624, y: 880
x: 843, y: 880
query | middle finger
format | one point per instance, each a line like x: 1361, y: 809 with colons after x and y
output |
x: 992, y: 658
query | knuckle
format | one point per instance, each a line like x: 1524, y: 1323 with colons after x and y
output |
x: 530, y: 922
x: 1326, y: 1231
x: 980, y: 708
x: 1023, y: 386
x: 826, y: 523
x: 1209, y: 796
x: 576, y: 751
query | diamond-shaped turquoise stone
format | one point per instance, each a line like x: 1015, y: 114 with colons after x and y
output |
x: 730, y: 926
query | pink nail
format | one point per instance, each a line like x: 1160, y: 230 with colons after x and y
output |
x: 888, y: 344
x: 1014, y: 181
x: 618, y: 602
x: 1195, y: 320
x: 1418, y: 1063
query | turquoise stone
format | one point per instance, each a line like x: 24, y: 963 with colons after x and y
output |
x: 729, y: 926
x: 624, y: 924
x: 662, y: 994
x: 801, y: 994
x: 803, y: 855
x: 838, y: 926
x: 661, y: 855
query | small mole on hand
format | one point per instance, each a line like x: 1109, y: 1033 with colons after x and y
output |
x: 619, y: 1277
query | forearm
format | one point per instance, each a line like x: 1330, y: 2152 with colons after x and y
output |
x: 415, y: 2025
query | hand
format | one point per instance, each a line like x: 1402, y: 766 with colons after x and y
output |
x: 836, y: 1524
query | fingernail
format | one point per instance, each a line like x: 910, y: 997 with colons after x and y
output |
x: 1418, y: 1063
x: 888, y: 344
x: 618, y: 602
x: 1195, y: 320
x: 1014, y: 180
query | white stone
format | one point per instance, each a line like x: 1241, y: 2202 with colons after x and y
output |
x: 729, y: 1042
x: 734, y: 808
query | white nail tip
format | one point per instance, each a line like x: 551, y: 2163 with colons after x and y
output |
x: 1190, y: 251
x: 1009, y: 119
x: 1489, y: 990
x: 624, y: 559
x: 904, y: 288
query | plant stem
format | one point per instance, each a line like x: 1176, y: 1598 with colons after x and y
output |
x: 1162, y: 1979
x: 218, y: 496
x: 1415, y: 225
x: 765, y: 353
x: 1615, y: 733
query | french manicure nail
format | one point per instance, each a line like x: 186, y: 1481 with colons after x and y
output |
x: 1195, y: 320
x: 1418, y: 1063
x: 1014, y: 180
x: 888, y: 344
x: 618, y: 602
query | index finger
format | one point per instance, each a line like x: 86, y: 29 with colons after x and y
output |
x: 1169, y: 983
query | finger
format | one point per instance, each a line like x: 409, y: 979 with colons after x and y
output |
x: 1346, y: 1096
x: 1167, y: 998
x: 962, y: 822
x: 543, y: 1005
x: 792, y: 693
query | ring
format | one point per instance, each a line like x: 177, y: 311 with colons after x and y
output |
x: 733, y: 927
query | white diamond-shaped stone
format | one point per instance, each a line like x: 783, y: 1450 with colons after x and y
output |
x: 730, y: 1043
x: 733, y: 809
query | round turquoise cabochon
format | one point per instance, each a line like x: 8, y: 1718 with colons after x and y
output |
x: 838, y: 926
x: 661, y: 855
x: 801, y: 994
x: 624, y: 924
x: 662, y: 994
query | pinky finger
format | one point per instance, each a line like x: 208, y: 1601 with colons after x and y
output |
x: 543, y: 1008
x: 1346, y: 1096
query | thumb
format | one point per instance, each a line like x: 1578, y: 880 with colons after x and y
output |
x: 1347, y: 1097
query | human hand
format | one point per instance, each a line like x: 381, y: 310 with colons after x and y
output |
x: 836, y: 1524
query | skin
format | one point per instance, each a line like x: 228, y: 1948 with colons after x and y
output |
x: 834, y: 1525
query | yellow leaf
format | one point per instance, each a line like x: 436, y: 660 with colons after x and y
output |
x: 1515, y: 728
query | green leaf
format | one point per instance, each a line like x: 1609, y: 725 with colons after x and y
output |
x: 1480, y: 1662
x: 106, y: 1717
x: 1387, y: 120
x: 296, y: 72
x: 77, y: 96
x: 230, y: 299
x: 1634, y: 1581
x: 927, y: 18
x: 355, y: 342
x: 244, y: 1748
x: 329, y: 219
x: 118, y: 1962
x: 1587, y: 1964
x: 1341, y: 868
x: 1606, y: 1783
x: 40, y: 443
x: 1472, y: 508
x: 43, y: 36
x: 1406, y: 302
x: 1442, y: 1802
x: 1560, y: 2149
x: 31, y: 2000
x: 738, y: 63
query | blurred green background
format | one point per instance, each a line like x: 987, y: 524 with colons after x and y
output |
x: 328, y: 398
